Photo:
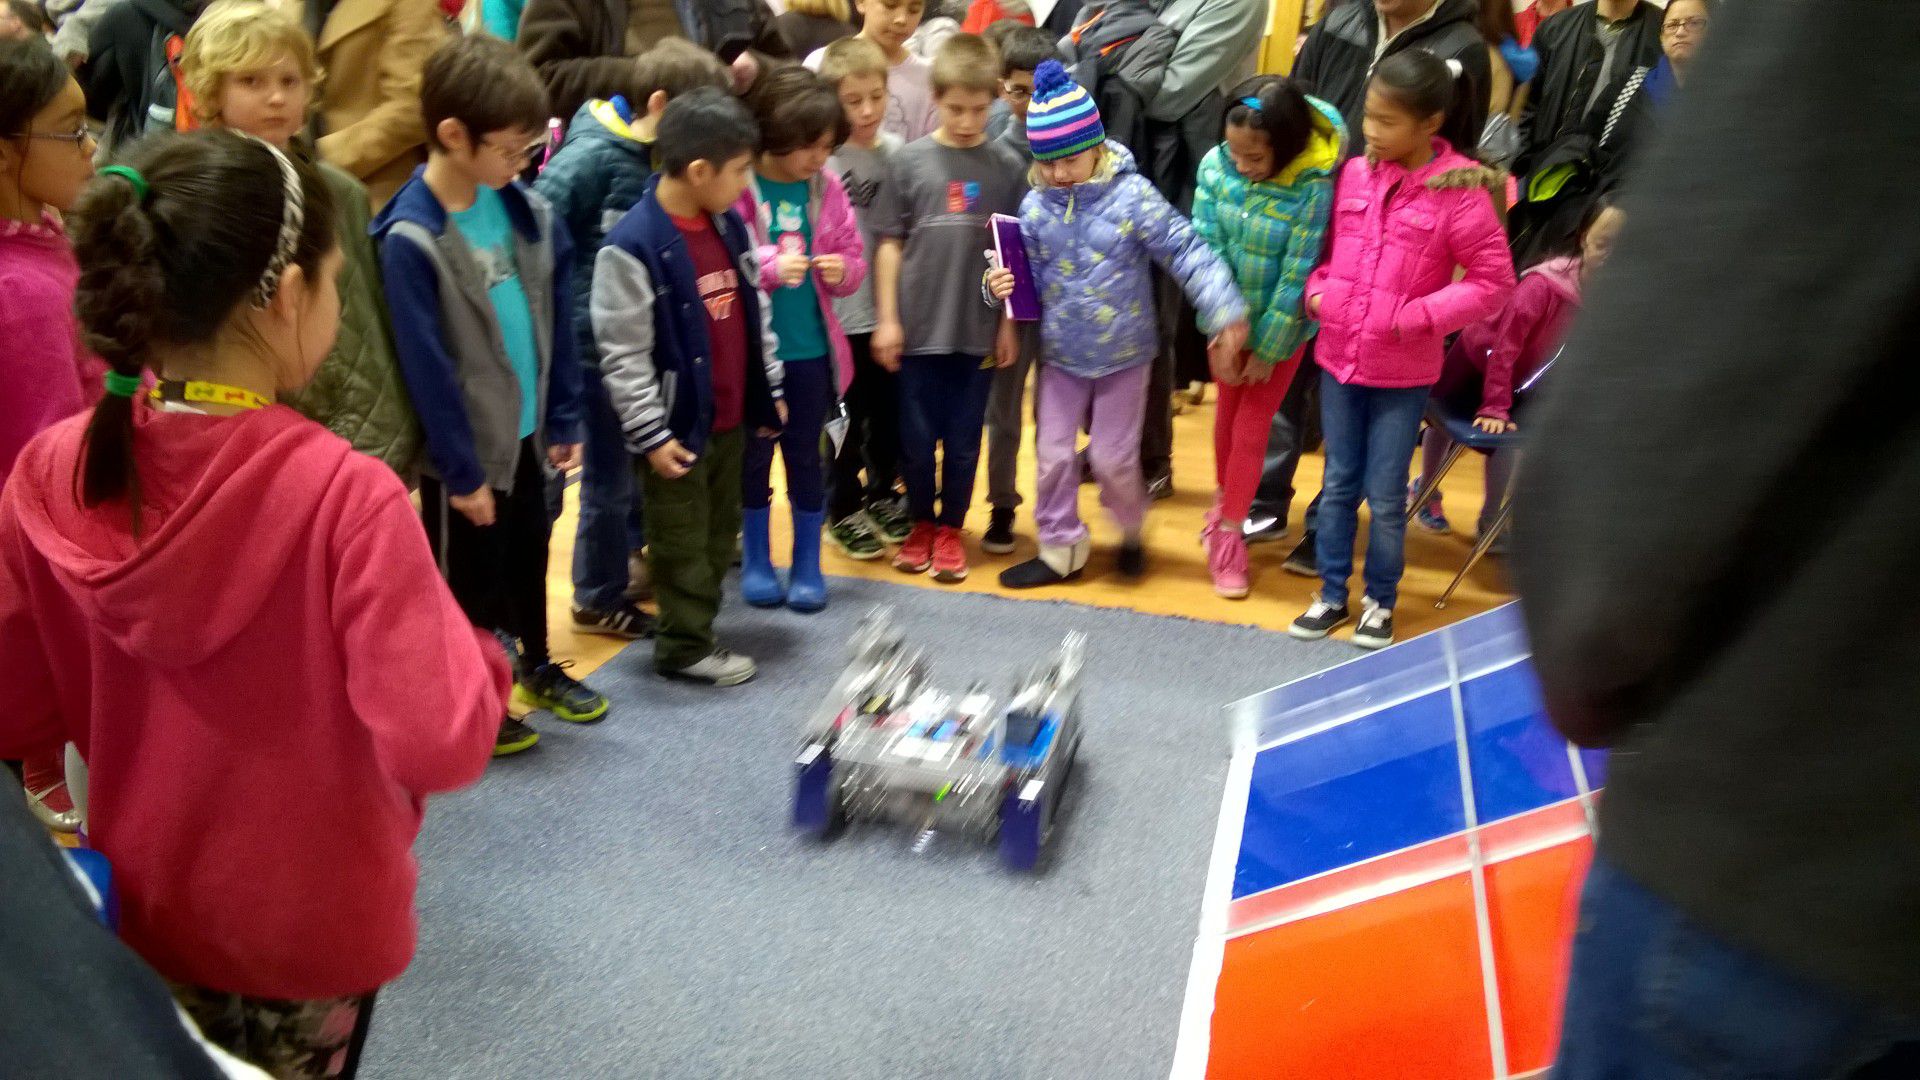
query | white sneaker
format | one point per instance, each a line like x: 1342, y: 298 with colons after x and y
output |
x: 718, y: 668
x: 1376, y: 626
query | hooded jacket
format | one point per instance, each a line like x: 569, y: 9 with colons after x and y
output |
x: 1272, y: 233
x: 835, y: 232
x: 1092, y: 247
x: 599, y: 174
x: 1508, y: 348
x: 1388, y: 297
x: 580, y: 46
x: 1558, y: 123
x: 264, y: 686
x: 45, y: 367
x: 1337, y: 57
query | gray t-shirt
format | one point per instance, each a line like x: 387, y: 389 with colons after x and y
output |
x: 863, y: 172
x: 937, y: 201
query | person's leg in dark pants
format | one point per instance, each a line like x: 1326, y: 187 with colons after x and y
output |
x: 1156, y: 429
x: 811, y: 396
x: 525, y: 529
x: 1286, y: 441
x: 872, y: 443
x: 846, y: 489
x: 610, y: 517
x: 679, y: 554
x: 471, y: 557
x: 1006, y: 422
x: 921, y: 413
x: 967, y: 386
x: 1393, y: 427
x: 1343, y: 419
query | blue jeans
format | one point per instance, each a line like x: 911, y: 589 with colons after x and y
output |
x: 1653, y: 994
x: 810, y: 389
x: 1369, y: 434
x: 610, y: 521
x: 943, y: 403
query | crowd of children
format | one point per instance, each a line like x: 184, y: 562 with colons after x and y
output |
x: 693, y: 282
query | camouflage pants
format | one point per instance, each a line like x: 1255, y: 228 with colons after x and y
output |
x: 291, y: 1040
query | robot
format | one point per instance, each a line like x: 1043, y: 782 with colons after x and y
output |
x: 889, y: 745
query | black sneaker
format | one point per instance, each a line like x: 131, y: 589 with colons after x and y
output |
x: 549, y: 687
x: 512, y: 646
x: 513, y: 738
x: 891, y: 520
x: 1261, y: 529
x: 1133, y: 559
x: 1160, y: 487
x: 1303, y: 559
x: 626, y: 621
x: 1376, y: 626
x: 999, y: 536
x: 1319, y: 620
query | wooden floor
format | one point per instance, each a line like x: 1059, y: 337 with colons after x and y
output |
x: 1176, y: 582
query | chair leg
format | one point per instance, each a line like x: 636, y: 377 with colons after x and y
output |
x: 1431, y: 484
x: 1485, y: 541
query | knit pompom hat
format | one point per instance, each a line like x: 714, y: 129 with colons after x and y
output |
x: 1062, y: 120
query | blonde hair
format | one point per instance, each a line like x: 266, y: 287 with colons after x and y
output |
x: 966, y: 62
x: 241, y: 35
x: 849, y: 57
x: 832, y: 9
x: 1103, y: 173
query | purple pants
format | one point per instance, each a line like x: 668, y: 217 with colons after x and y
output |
x: 1110, y: 409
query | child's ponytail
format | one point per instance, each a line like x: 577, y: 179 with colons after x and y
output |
x: 1424, y: 85
x: 1275, y: 106
x: 119, y: 299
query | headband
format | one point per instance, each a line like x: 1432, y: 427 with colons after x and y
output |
x: 293, y: 215
x: 141, y: 189
x: 1251, y: 102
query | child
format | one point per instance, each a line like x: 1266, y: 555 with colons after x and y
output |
x: 476, y: 276
x: 1490, y: 359
x: 865, y: 517
x: 688, y: 355
x: 809, y: 253
x: 251, y: 69
x: 910, y: 105
x: 47, y: 371
x: 599, y: 174
x: 1406, y: 214
x: 933, y: 227
x: 177, y: 552
x: 1262, y: 204
x: 1093, y: 229
x: 1027, y: 47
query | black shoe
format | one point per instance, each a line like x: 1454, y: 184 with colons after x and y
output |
x: 999, y: 535
x: 626, y: 621
x: 1160, y: 487
x: 1376, y: 626
x: 549, y: 687
x: 1318, y: 620
x: 512, y: 646
x: 1133, y: 559
x: 1034, y: 574
x: 513, y: 738
x: 1261, y: 529
x: 1303, y: 560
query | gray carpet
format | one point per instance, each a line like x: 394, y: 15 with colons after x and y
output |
x: 628, y: 900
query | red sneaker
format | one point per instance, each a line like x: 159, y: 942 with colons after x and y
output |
x: 949, y: 555
x: 916, y: 554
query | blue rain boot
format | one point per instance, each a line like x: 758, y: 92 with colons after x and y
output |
x: 759, y: 585
x: 808, y: 590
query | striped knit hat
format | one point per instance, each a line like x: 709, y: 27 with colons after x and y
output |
x: 1062, y: 120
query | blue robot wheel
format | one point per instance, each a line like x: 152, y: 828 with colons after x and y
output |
x: 817, y: 810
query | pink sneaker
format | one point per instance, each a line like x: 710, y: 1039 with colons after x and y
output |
x: 1227, y: 561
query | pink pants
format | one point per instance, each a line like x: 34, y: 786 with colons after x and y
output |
x: 1241, y: 423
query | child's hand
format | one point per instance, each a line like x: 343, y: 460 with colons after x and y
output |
x: 671, y: 460
x: 793, y: 268
x: 1224, y: 365
x: 1493, y: 425
x: 1253, y: 372
x: 1234, y: 337
x: 564, y: 456
x: 1000, y: 282
x: 1006, y: 346
x: 1313, y: 305
x: 831, y: 268
x: 780, y: 410
x: 888, y: 342
x: 476, y: 506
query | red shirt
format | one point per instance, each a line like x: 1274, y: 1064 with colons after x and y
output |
x: 719, y: 284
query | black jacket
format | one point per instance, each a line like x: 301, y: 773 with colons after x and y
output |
x: 1722, y: 496
x: 1570, y: 60
x: 124, y: 57
x: 1338, y: 56
x: 579, y: 46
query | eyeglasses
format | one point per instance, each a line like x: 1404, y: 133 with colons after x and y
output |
x: 1692, y: 26
x: 77, y: 136
x: 1016, y: 92
x: 522, y: 154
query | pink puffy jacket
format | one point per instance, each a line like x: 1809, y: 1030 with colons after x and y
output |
x: 835, y: 232
x: 1387, y: 293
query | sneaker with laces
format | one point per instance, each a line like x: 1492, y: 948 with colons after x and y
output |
x: 626, y: 621
x: 513, y: 738
x: 1227, y: 562
x: 549, y: 687
x: 856, y: 537
x: 1375, y: 630
x: 998, y: 539
x: 891, y: 520
x: 1264, y: 529
x: 916, y: 554
x: 1319, y: 620
x: 1429, y: 517
x: 1304, y: 558
x: 949, y: 555
x: 718, y: 668
x: 1160, y: 487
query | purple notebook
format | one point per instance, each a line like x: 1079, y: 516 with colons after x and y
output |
x: 1024, y: 304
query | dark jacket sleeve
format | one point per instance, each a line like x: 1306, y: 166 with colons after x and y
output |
x: 564, y: 404
x: 1739, y: 354
x: 102, y: 77
x: 556, y: 40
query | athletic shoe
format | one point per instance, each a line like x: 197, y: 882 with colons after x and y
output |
x: 1227, y: 562
x: 916, y: 554
x: 1319, y: 620
x: 1133, y: 559
x: 1160, y: 487
x: 1376, y: 626
x: 856, y: 537
x: 1034, y: 574
x: 512, y: 646
x: 514, y: 737
x: 891, y: 520
x: 639, y: 578
x: 1429, y: 517
x: 1303, y: 560
x: 549, y: 687
x: 1264, y: 530
x: 53, y: 806
x: 999, y: 536
x: 717, y: 668
x: 949, y: 555
x: 626, y: 621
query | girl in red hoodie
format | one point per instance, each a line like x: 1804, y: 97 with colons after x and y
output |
x: 234, y: 616
x: 46, y: 156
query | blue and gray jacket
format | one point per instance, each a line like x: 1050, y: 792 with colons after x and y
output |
x: 600, y: 173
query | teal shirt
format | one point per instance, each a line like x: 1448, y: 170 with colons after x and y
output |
x: 502, y: 17
x: 796, y: 309
x: 489, y: 233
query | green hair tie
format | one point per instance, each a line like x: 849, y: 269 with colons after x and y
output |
x: 120, y: 385
x: 141, y: 189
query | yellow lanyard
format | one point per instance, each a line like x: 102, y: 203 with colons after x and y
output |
x: 206, y: 393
